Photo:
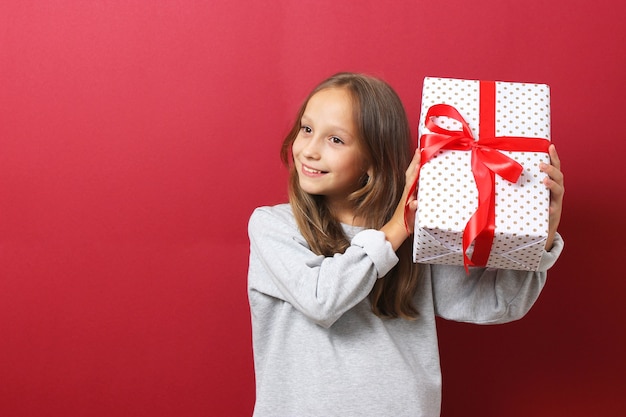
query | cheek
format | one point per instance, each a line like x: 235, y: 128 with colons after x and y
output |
x: 296, y: 147
x: 350, y: 169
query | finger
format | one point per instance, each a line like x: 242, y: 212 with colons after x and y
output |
x: 554, y: 174
x: 556, y: 189
x: 554, y: 168
x: 415, y: 162
x: 412, y: 171
x: 554, y: 157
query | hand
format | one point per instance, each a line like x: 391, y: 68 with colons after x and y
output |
x: 554, y: 182
x: 395, y: 230
x: 410, y: 200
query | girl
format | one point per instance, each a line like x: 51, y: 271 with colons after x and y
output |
x: 343, y: 321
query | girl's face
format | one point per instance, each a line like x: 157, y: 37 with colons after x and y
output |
x: 327, y: 153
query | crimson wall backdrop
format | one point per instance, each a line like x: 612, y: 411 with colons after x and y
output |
x: 136, y: 137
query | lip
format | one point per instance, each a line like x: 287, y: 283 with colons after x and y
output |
x: 309, y: 171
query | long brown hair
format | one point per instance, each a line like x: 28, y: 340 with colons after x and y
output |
x: 384, y: 132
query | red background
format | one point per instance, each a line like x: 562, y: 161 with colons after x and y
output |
x: 136, y: 137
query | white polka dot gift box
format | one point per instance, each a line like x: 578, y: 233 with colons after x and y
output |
x: 481, y: 200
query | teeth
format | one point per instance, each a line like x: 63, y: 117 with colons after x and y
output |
x: 313, y: 171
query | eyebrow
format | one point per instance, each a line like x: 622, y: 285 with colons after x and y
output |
x: 305, y: 119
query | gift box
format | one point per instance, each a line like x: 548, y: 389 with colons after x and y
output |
x: 481, y: 198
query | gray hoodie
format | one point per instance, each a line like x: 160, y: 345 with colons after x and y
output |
x: 318, y: 348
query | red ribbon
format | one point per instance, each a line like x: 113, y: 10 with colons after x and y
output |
x: 487, y: 161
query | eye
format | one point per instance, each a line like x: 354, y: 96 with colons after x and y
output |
x: 336, y: 140
x: 306, y: 129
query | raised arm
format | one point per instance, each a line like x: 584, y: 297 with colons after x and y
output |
x: 322, y: 288
x: 487, y: 295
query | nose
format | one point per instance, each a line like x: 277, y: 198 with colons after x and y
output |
x: 311, y: 149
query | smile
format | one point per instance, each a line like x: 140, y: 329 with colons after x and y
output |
x: 309, y: 170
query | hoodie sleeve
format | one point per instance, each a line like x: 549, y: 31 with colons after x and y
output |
x: 322, y: 288
x: 487, y: 295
